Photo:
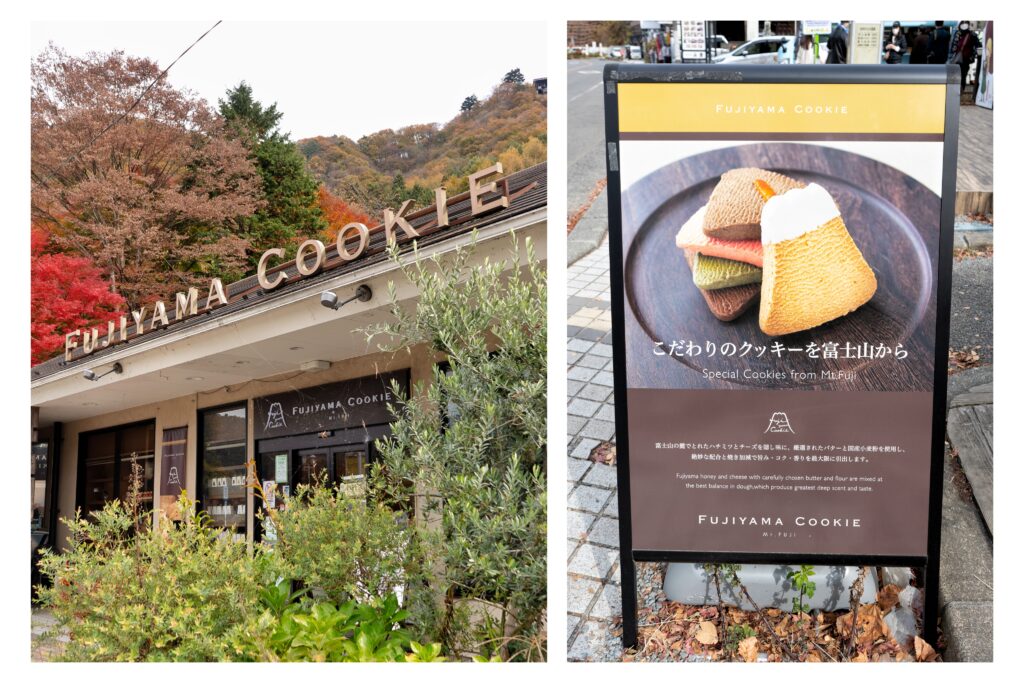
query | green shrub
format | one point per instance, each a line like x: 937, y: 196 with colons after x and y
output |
x: 322, y: 632
x: 335, y: 540
x: 472, y: 451
x: 177, y: 592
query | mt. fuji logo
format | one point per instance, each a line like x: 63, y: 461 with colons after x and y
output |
x: 779, y: 423
x: 275, y: 416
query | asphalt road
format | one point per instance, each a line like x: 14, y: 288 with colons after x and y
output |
x: 585, y: 137
x: 970, y: 322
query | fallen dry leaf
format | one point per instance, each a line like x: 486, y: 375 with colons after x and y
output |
x: 748, y: 649
x: 923, y: 652
x: 887, y: 597
x: 603, y: 453
x: 706, y: 634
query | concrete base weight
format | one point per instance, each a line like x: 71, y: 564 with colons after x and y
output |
x: 767, y: 584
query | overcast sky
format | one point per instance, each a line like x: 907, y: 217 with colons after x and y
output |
x: 329, y: 78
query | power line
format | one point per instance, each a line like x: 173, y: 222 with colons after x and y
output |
x: 139, y: 99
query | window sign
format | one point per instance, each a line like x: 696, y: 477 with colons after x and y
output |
x: 281, y: 468
x: 172, y: 468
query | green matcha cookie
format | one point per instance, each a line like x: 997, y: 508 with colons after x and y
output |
x: 710, y: 272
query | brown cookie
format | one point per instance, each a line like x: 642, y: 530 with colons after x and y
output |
x: 729, y: 303
x: 734, y: 209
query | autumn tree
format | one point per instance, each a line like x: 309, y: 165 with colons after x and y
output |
x: 468, y: 104
x: 339, y: 213
x: 291, y: 208
x: 68, y: 293
x: 136, y: 175
x: 614, y: 32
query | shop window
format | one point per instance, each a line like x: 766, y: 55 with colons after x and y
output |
x: 106, y: 467
x: 40, y: 454
x: 223, y: 467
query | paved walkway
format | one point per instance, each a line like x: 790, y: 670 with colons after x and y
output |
x: 594, y: 596
x: 974, y: 157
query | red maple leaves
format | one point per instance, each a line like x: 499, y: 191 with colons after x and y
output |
x: 68, y: 292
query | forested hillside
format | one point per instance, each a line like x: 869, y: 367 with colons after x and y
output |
x: 386, y: 167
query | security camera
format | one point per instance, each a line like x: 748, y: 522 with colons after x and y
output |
x: 89, y: 375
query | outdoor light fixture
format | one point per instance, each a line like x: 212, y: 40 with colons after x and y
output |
x: 330, y: 299
x: 93, y: 377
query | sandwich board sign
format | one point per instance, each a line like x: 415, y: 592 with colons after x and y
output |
x: 781, y: 246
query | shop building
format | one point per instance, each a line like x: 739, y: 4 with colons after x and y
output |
x: 269, y: 369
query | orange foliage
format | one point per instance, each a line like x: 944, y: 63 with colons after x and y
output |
x: 340, y: 213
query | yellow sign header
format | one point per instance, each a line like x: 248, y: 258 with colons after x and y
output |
x: 887, y: 108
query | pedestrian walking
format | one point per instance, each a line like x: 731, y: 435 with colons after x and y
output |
x: 938, y: 44
x: 919, y: 52
x: 805, y: 55
x: 896, y: 46
x: 837, y: 43
x: 964, y: 50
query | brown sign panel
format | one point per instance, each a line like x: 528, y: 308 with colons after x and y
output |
x: 780, y: 471
x: 339, y: 405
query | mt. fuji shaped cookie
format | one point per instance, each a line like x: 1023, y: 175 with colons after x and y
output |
x: 734, y: 209
x: 813, y: 270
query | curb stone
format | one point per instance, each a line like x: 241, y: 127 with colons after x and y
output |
x: 590, y: 231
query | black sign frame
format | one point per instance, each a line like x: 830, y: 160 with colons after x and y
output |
x: 949, y: 76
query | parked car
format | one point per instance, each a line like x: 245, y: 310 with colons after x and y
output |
x: 635, y: 52
x: 616, y: 52
x: 719, y: 45
x: 763, y: 50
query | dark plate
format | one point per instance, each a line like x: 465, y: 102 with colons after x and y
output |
x: 893, y: 219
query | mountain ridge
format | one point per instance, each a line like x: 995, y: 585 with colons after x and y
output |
x: 389, y: 166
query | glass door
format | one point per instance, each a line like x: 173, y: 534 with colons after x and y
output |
x: 349, y: 463
x: 275, y: 480
x: 312, y: 467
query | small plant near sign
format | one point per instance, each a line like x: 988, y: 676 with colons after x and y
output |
x: 801, y: 580
x: 735, y: 634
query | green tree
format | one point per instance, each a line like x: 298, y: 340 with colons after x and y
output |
x: 475, y: 445
x: 514, y: 76
x: 292, y: 209
x: 469, y: 103
x: 245, y: 114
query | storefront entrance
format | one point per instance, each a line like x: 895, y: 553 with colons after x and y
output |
x: 340, y: 423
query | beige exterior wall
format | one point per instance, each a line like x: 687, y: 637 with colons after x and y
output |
x: 183, y: 411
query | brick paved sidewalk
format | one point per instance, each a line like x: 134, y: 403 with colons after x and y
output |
x: 594, y: 597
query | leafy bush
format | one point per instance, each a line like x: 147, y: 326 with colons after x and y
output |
x: 177, y: 592
x: 474, y: 445
x: 335, y: 540
x: 350, y: 632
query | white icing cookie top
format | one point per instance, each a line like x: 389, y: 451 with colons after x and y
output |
x: 789, y: 215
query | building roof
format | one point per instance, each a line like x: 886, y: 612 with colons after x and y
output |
x: 527, y: 192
